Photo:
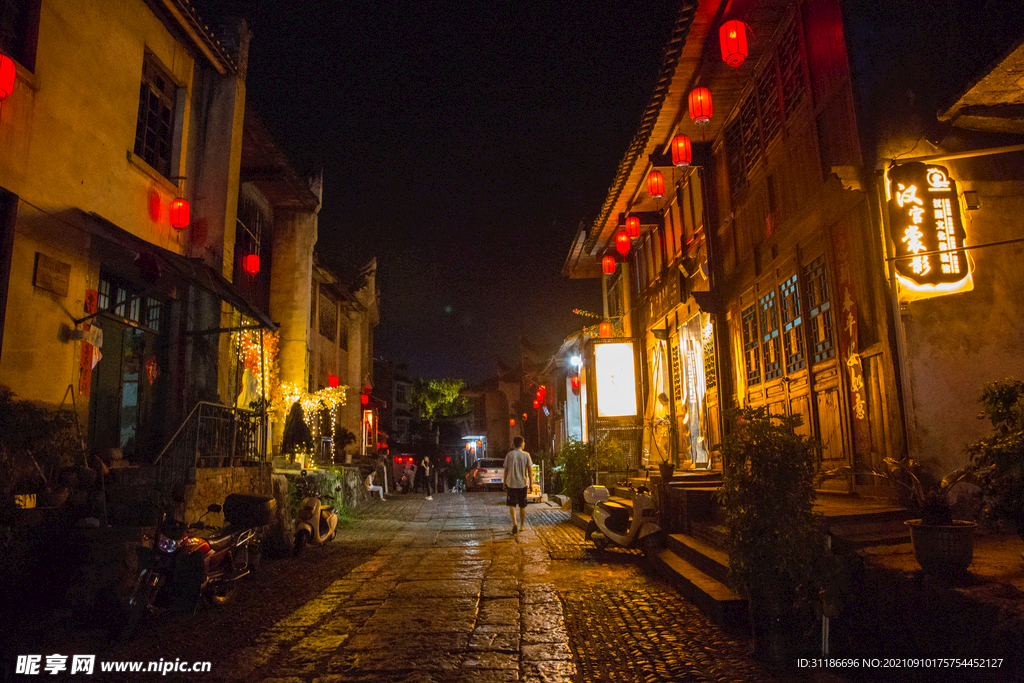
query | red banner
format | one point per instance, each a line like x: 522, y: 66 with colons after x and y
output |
x: 85, y: 371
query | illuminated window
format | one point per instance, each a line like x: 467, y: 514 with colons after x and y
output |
x: 771, y: 344
x: 792, y: 325
x: 819, y: 310
x: 155, y: 127
x: 751, y: 345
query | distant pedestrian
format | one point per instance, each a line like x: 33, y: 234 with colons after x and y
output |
x: 409, y: 479
x: 518, y: 479
x: 428, y: 476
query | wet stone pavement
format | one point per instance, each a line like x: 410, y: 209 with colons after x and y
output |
x: 452, y: 595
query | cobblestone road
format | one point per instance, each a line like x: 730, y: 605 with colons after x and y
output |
x: 452, y: 595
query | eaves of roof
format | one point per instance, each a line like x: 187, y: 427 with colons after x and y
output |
x: 186, y: 17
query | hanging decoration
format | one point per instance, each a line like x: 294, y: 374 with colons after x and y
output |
x: 700, y: 106
x: 251, y: 264
x: 632, y: 227
x: 656, y: 184
x: 329, y: 399
x: 575, y: 384
x: 604, y: 330
x: 682, y: 153
x: 332, y: 380
x: 179, y: 214
x: 152, y: 370
x: 608, y: 265
x: 7, y: 73
x: 622, y: 242
x: 733, y: 37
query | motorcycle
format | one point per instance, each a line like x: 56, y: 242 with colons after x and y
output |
x: 315, y: 522
x: 192, y: 563
x: 626, y: 527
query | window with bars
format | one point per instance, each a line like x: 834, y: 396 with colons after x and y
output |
x: 751, y: 131
x: 792, y: 325
x: 735, y: 157
x: 768, y: 99
x: 751, y: 346
x: 154, y: 130
x: 146, y: 312
x: 819, y: 310
x: 771, y: 344
x: 328, y: 318
x: 791, y: 69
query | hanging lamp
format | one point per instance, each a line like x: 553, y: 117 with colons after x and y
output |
x: 633, y: 227
x: 733, y: 37
x: 622, y: 242
x: 682, y: 152
x: 656, y: 184
x: 608, y: 265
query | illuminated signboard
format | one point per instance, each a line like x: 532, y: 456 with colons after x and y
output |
x: 927, y: 229
x: 615, y: 372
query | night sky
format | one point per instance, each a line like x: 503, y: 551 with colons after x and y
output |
x: 461, y: 144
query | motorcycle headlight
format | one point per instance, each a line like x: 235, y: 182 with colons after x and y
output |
x: 165, y: 544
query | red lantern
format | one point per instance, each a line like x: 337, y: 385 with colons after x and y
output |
x: 542, y: 390
x: 633, y: 226
x: 604, y: 330
x: 622, y: 242
x: 700, y: 106
x: 656, y: 184
x: 332, y: 380
x: 576, y: 383
x: 364, y: 399
x: 7, y: 73
x: 608, y: 265
x: 180, y: 211
x: 251, y: 264
x: 733, y: 37
x: 681, y: 152
x: 536, y: 403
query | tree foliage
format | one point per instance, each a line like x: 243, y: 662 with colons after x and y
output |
x: 999, y: 456
x: 439, y: 398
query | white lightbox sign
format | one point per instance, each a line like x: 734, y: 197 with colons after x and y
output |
x: 615, y: 369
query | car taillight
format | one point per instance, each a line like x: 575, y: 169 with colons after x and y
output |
x: 165, y: 544
x: 482, y: 471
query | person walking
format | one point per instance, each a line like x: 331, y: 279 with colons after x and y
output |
x: 518, y: 479
x: 428, y: 472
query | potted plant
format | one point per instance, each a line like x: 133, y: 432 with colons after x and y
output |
x: 576, y: 460
x: 777, y: 545
x: 662, y: 430
x: 942, y: 546
x: 999, y: 456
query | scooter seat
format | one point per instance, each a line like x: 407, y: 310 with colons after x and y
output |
x: 221, y: 538
x: 326, y: 510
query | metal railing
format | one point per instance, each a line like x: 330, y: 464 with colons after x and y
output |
x: 212, y: 435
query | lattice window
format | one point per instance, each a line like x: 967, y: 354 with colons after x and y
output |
x: 710, y: 375
x: 768, y: 99
x: 677, y: 384
x: 819, y: 310
x: 792, y: 325
x: 328, y: 318
x: 154, y: 130
x: 146, y: 312
x: 751, y: 131
x: 792, y: 69
x: 735, y: 158
x: 751, y: 353
x: 771, y: 344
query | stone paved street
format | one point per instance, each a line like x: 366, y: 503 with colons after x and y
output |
x: 454, y: 596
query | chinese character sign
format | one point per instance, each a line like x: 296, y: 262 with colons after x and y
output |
x: 927, y: 228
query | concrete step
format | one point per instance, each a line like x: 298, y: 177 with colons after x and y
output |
x: 713, y: 597
x: 711, y: 560
x: 711, y: 534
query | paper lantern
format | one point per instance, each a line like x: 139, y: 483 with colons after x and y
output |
x: 542, y: 390
x: 604, y: 330
x: 681, y: 152
x: 251, y: 264
x: 332, y: 380
x: 656, y: 184
x: 7, y: 73
x: 576, y: 383
x: 179, y: 214
x: 733, y: 37
x: 633, y: 226
x: 608, y: 265
x: 536, y: 403
x: 700, y: 106
x: 622, y: 242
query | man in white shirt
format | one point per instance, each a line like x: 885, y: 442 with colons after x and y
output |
x: 518, y: 479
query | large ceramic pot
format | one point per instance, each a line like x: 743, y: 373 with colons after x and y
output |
x: 942, y: 550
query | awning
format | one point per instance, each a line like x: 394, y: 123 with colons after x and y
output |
x: 180, y: 269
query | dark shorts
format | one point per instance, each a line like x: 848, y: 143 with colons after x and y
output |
x: 514, y: 497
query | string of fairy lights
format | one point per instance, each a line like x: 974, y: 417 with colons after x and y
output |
x: 261, y: 359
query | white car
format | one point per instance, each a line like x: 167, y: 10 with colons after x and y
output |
x: 486, y: 474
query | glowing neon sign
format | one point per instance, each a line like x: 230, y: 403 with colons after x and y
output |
x: 927, y: 229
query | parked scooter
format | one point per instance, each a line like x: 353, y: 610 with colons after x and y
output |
x: 315, y: 522
x: 192, y: 562
x: 613, y: 522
